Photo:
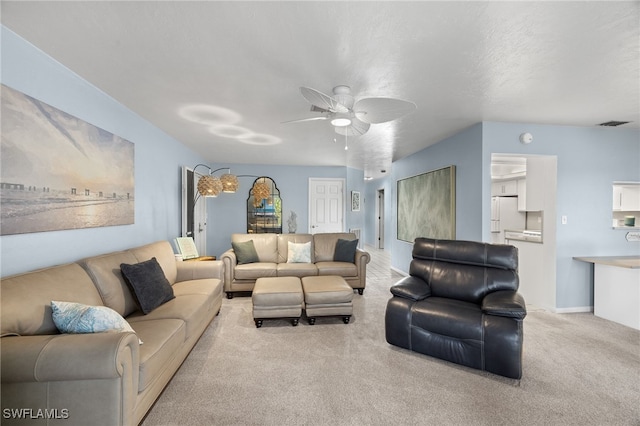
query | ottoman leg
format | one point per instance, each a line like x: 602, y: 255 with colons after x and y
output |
x: 360, y: 291
x: 258, y: 323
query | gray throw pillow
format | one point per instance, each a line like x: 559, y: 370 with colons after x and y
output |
x: 245, y: 252
x: 148, y: 284
x: 345, y: 251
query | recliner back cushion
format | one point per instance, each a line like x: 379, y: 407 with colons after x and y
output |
x: 469, y: 252
x: 459, y: 281
x: 266, y: 245
x: 464, y: 270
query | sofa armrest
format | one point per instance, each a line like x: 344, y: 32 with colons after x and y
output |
x: 199, y: 270
x: 229, y: 262
x: 412, y: 288
x: 362, y: 257
x: 68, y: 357
x: 505, y: 303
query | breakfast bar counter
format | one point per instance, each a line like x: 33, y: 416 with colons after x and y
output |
x: 616, y: 288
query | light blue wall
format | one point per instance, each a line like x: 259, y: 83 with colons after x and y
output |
x: 158, y: 159
x: 464, y: 150
x: 226, y: 213
x: 589, y: 160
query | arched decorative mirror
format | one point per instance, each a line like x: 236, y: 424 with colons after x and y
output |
x: 264, y: 207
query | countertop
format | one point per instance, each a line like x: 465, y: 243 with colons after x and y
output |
x: 632, y: 262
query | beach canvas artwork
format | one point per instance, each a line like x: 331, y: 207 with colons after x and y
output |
x: 59, y: 172
x: 427, y: 205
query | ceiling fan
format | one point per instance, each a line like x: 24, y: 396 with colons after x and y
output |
x: 351, y: 118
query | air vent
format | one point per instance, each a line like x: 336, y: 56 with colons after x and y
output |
x: 613, y: 123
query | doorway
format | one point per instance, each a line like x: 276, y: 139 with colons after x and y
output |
x: 194, y: 211
x: 380, y: 219
x: 326, y: 205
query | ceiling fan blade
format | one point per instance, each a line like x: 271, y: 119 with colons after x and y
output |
x: 356, y: 128
x: 321, y: 100
x: 300, y: 120
x: 381, y: 110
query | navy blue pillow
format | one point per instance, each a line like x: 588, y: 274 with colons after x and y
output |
x: 148, y: 284
x: 345, y: 251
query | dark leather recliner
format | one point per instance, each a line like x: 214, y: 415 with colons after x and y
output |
x: 460, y: 303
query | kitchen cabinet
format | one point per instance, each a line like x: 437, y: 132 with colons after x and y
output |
x: 504, y: 188
x: 626, y: 196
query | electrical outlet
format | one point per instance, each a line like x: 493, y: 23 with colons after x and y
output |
x: 564, y: 220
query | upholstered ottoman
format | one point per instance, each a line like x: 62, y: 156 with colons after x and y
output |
x: 327, y: 295
x: 277, y: 297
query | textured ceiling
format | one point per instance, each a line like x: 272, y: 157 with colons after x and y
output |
x: 185, y: 65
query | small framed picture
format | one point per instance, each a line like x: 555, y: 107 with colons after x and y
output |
x: 355, y: 201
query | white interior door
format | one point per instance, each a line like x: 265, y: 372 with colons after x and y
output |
x: 194, y: 211
x: 326, y: 205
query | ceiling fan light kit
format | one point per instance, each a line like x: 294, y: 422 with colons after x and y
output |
x: 351, y: 118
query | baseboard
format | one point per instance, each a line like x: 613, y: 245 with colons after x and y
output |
x: 574, y: 310
x: 399, y: 271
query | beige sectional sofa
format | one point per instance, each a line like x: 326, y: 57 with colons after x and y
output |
x: 272, y: 251
x: 100, y: 378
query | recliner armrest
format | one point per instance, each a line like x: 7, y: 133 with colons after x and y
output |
x: 505, y: 303
x: 412, y: 288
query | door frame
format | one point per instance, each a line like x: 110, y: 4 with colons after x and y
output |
x: 199, y: 214
x: 380, y: 208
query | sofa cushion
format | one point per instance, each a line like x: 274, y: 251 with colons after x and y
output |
x: 245, y: 252
x: 343, y: 269
x: 325, y: 245
x: 163, y: 339
x: 148, y: 283
x: 25, y: 305
x: 283, y: 245
x: 253, y: 271
x: 299, y: 252
x: 266, y: 245
x: 193, y: 309
x: 163, y: 252
x: 297, y: 269
x: 345, y: 250
x: 105, y: 272
x: 78, y: 318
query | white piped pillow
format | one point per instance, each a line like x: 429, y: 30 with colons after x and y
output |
x: 299, y: 252
x: 76, y: 318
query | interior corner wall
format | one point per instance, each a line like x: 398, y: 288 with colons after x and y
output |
x: 463, y: 150
x: 158, y: 162
x: 589, y: 160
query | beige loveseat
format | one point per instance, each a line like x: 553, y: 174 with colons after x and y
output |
x: 272, y: 250
x: 100, y: 378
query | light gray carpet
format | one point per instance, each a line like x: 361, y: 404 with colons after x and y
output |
x: 578, y: 370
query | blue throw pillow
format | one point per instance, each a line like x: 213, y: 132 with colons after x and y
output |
x: 148, y: 284
x: 345, y: 251
x: 245, y: 252
x: 76, y: 318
